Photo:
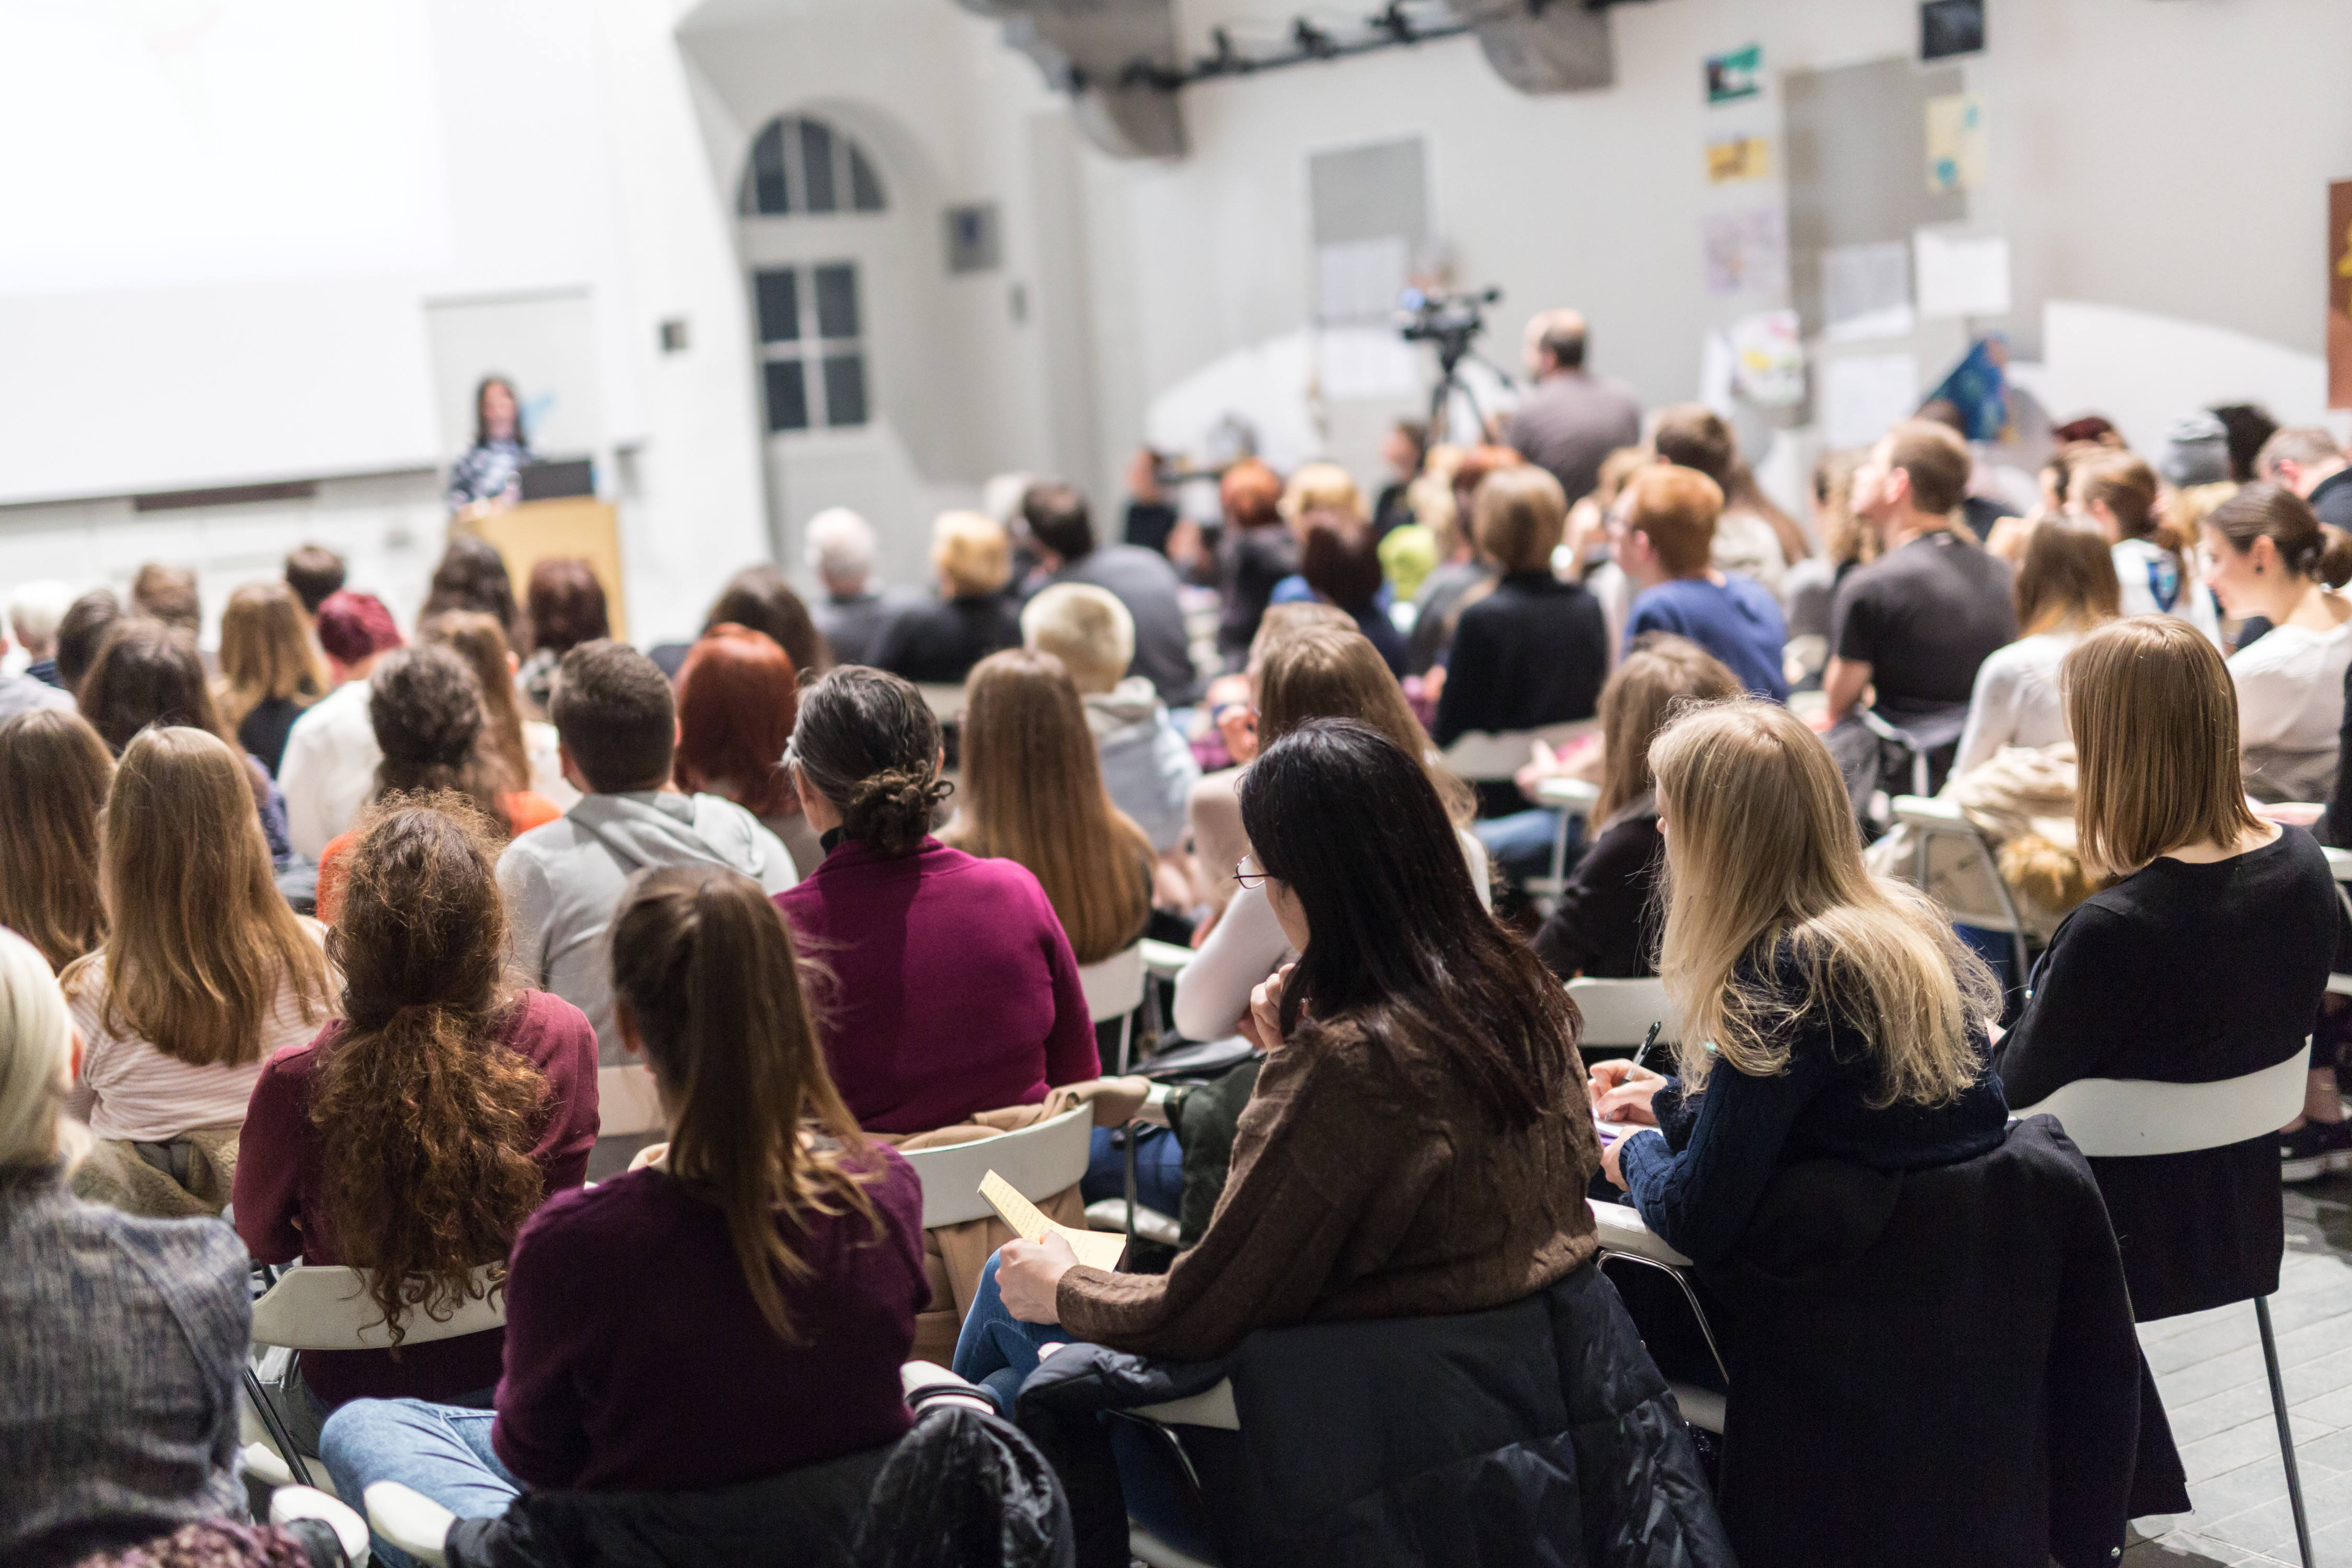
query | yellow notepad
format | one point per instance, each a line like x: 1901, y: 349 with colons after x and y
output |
x: 1095, y: 1249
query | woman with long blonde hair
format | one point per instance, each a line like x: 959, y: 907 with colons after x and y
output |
x: 205, y: 974
x: 54, y: 775
x: 1826, y: 1012
x: 268, y: 671
x: 1032, y: 792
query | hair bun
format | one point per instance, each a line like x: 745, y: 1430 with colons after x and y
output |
x: 891, y: 811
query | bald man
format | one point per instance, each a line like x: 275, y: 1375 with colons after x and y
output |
x: 1571, y: 420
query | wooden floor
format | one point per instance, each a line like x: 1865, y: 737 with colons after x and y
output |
x: 2209, y: 1366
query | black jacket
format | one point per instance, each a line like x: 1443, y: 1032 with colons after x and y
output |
x: 1607, y: 921
x: 961, y: 1490
x: 938, y: 643
x: 1531, y: 653
x: 1536, y: 1434
x: 1937, y: 1368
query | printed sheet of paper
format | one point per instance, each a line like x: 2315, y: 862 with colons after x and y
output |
x: 1866, y: 292
x: 1095, y: 1249
x: 1956, y: 143
x: 1859, y: 396
x: 1960, y: 276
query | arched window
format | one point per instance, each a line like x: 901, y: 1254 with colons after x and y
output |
x: 801, y: 164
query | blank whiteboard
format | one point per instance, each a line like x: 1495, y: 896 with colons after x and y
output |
x: 544, y: 341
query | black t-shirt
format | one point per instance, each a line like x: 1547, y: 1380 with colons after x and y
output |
x: 1923, y: 618
x: 2184, y: 974
x: 2332, y: 499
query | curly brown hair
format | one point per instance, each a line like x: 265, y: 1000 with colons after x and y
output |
x: 427, y: 1118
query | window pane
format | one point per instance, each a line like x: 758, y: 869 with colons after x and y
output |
x: 816, y: 166
x: 780, y: 304
x: 787, y: 395
x: 837, y: 301
x: 844, y: 389
x: 768, y: 170
x: 864, y: 187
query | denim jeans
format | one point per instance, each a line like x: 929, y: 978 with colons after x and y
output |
x: 1158, y: 1169
x: 440, y: 1451
x: 997, y: 1350
x: 1520, y: 844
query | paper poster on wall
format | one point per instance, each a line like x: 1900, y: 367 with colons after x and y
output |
x: 1738, y: 158
x: 2339, y: 294
x: 1862, y: 394
x: 1960, y: 276
x: 1736, y: 75
x: 1718, y: 371
x: 1361, y: 280
x: 1956, y: 143
x: 1746, y: 252
x: 1866, y: 292
x: 1769, y: 361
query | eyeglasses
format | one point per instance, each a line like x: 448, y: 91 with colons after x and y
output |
x: 1248, y: 874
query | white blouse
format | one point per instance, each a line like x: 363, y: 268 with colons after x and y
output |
x: 2291, y: 710
x: 2016, y: 702
x: 2154, y: 585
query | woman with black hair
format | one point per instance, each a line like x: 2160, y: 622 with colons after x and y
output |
x: 955, y: 990
x: 1418, y: 1142
x: 485, y: 477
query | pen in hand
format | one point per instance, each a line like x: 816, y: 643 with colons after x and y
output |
x: 1648, y: 1041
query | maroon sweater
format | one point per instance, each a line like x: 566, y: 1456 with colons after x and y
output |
x: 636, y: 1360
x: 955, y: 990
x: 280, y: 1188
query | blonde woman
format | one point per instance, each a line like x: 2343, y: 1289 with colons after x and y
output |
x: 205, y: 974
x: 268, y: 671
x: 1826, y: 1013
x: 939, y: 643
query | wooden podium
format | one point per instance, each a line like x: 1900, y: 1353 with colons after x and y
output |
x: 577, y: 526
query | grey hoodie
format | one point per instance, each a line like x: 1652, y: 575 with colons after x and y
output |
x: 563, y: 880
x: 1146, y: 765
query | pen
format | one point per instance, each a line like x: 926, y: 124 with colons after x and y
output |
x: 1648, y: 1041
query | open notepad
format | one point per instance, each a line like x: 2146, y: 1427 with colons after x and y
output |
x: 1095, y: 1249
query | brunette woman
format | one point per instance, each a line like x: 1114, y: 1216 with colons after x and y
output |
x: 790, y: 1248
x: 2065, y: 586
x: 566, y: 605
x: 414, y: 1137
x: 204, y: 975
x: 2117, y: 494
x: 54, y: 773
x: 738, y: 694
x: 268, y: 671
x: 472, y: 578
x: 526, y: 750
x: 2267, y: 555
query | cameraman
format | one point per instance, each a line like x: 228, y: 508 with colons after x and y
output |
x: 1571, y: 420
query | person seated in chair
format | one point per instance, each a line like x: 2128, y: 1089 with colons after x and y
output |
x: 738, y: 1308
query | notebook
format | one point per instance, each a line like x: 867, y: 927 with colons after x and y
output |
x: 1095, y: 1249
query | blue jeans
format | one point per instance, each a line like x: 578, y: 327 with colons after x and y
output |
x: 997, y: 1350
x: 1158, y: 1169
x: 1521, y: 843
x: 438, y: 1450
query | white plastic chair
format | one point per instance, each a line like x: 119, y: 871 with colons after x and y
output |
x: 1165, y: 960
x: 1114, y: 989
x: 2123, y: 1119
x: 1618, y: 1013
x: 1040, y: 1160
x: 410, y: 1522
x: 288, y: 1504
x: 1572, y: 798
x: 626, y: 1103
x: 1928, y: 819
x: 945, y: 701
x: 1483, y: 756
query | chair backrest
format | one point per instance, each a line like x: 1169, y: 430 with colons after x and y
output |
x: 1115, y: 987
x: 1165, y: 959
x: 1570, y: 794
x: 943, y: 699
x: 321, y: 1307
x: 1964, y: 877
x: 1039, y: 1160
x: 2121, y: 1118
x: 626, y: 1103
x: 1483, y: 757
x: 1619, y: 1012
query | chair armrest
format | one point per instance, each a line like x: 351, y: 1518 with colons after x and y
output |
x: 288, y: 1504
x: 1568, y: 794
x: 1165, y: 959
x: 411, y: 1521
x: 2339, y: 862
x: 1931, y: 813
x: 1111, y: 1214
x: 1212, y: 1408
x: 924, y: 1384
x: 1622, y: 1229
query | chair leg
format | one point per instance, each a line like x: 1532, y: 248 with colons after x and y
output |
x: 292, y: 1454
x: 2286, y: 1433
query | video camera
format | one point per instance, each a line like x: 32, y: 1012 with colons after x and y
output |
x: 1448, y: 320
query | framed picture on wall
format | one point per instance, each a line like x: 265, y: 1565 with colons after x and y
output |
x: 1951, y: 28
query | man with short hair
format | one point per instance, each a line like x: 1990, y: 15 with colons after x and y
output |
x: 329, y: 769
x: 1061, y: 532
x: 1747, y: 543
x: 1572, y: 419
x: 34, y: 611
x: 1916, y: 622
x: 840, y: 551
x: 314, y: 573
x: 82, y: 632
x: 2306, y: 460
x: 1662, y: 532
x: 617, y: 722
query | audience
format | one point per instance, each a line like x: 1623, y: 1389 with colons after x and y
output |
x: 126, y: 1336
x: 2118, y: 495
x: 1745, y: 543
x: 472, y: 577
x: 1607, y: 919
x: 316, y: 574
x: 414, y: 1136
x: 855, y: 608
x: 1403, y: 449
x: 1571, y: 419
x: 1064, y: 534
x: 1254, y: 552
x: 1535, y: 650
x: 2305, y: 458
x: 329, y: 770
x: 1846, y: 542
x: 617, y: 722
x: 270, y: 671
x: 1339, y: 565
x: 2267, y: 555
x: 790, y: 1250
x: 28, y: 693
x: 54, y: 775
x: 736, y: 697
x: 82, y: 631
x: 168, y: 594
x: 2247, y: 425
x: 33, y: 611
x: 2065, y: 587
x: 2203, y: 889
x: 566, y: 607
x: 938, y: 643
x: 1663, y: 532
x: 761, y: 598
x: 1147, y: 765
x: 203, y: 976
x: 954, y: 988
x: 1460, y: 572
x: 526, y: 751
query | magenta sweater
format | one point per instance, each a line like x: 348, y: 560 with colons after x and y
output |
x: 954, y: 990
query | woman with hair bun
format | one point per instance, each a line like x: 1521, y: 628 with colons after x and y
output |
x: 955, y: 990
x: 2268, y: 555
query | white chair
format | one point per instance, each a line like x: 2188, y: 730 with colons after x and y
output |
x: 1572, y: 798
x: 1040, y: 1160
x: 288, y: 1504
x: 1624, y: 1234
x: 1618, y: 1013
x: 321, y: 1307
x: 1931, y: 820
x: 1114, y: 989
x: 410, y: 1522
x: 944, y: 701
x: 1482, y: 756
x: 1165, y: 960
x: 626, y: 1103
x: 2123, y: 1119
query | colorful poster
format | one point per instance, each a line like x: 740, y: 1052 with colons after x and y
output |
x: 2339, y: 294
x: 1735, y: 76
x: 1746, y: 252
x: 1768, y: 359
x: 1738, y: 158
x: 1956, y: 143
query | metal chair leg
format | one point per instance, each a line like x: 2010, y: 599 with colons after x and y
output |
x: 2286, y: 1432
x: 287, y: 1449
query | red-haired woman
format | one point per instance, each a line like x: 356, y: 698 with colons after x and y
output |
x: 737, y: 695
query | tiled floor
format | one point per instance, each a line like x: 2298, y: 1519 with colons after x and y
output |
x: 2209, y: 1366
